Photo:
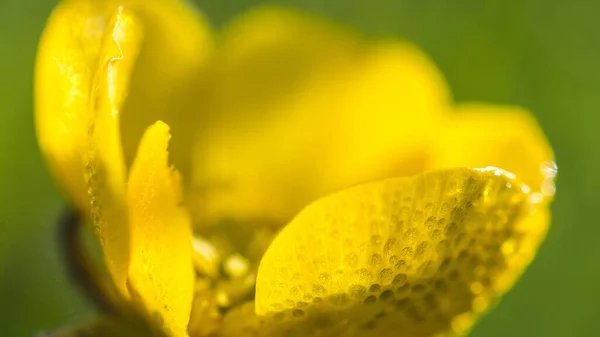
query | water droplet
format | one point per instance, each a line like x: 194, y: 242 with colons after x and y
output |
x: 357, y: 291
x: 445, y: 208
x: 458, y: 213
x: 391, y: 247
x: 536, y: 198
x: 410, y: 235
x: 451, y: 229
x: 444, y: 265
x: 508, y: 247
x: 548, y: 187
x: 454, y: 275
x: 430, y: 223
x: 441, y: 286
x: 421, y: 250
x: 301, y: 304
x: 387, y: 295
x: 370, y: 299
x: 403, y: 289
x: 443, y: 247
x: 319, y: 290
x: 401, y: 265
x: 476, y: 288
x: 376, y: 260
x: 399, y: 279
x: 364, y: 275
x: 374, y: 288
x: 480, y: 304
x: 386, y: 276
x: 399, y: 226
x: 549, y: 169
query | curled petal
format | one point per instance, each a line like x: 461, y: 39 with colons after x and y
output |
x: 66, y: 62
x: 72, y: 51
x: 419, y: 256
x: 101, y: 64
x: 105, y: 167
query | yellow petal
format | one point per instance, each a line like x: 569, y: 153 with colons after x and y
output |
x: 161, y: 272
x: 67, y: 61
x: 105, y: 168
x: 177, y: 44
x: 67, y: 56
x: 420, y: 256
x: 301, y: 107
x: 479, y: 135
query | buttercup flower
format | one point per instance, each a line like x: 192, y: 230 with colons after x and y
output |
x: 326, y: 183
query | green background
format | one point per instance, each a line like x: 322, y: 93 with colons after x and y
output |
x: 541, y: 54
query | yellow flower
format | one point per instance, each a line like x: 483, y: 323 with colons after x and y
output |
x: 403, y: 226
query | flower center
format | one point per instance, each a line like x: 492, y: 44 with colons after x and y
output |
x: 226, y: 260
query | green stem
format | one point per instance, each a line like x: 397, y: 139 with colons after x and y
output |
x: 80, y: 265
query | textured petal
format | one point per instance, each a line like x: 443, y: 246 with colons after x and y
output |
x: 161, y: 273
x: 420, y: 256
x: 68, y: 57
x: 480, y: 135
x: 300, y: 107
x: 105, y: 169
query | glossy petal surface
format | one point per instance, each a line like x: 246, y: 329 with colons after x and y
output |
x: 68, y: 59
x: 66, y: 63
x: 300, y: 108
x: 161, y: 274
x: 420, y: 256
x: 105, y: 167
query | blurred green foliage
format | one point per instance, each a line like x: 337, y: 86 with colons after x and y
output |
x: 541, y: 54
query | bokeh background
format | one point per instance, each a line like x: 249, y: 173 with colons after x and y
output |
x: 541, y: 54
